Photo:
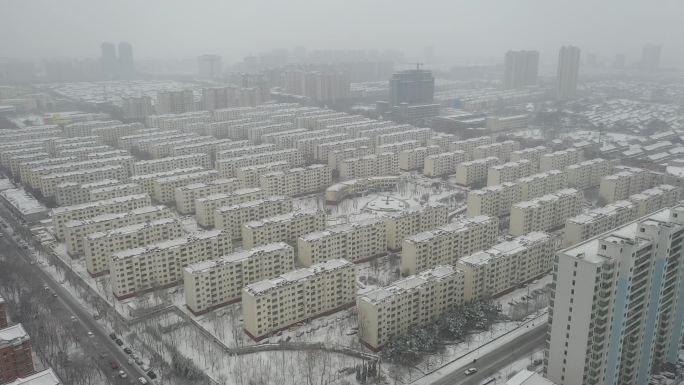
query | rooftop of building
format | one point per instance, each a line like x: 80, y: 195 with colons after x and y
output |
x: 262, y: 287
x: 208, y: 265
x: 166, y: 244
x: 23, y: 201
x: 45, y: 377
x: 407, y: 284
x: 14, y: 334
x: 101, y: 203
x: 111, y: 216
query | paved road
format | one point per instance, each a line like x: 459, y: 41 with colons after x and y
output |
x: 101, y: 338
x: 490, y: 363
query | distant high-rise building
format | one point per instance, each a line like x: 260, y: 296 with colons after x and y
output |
x: 616, y: 309
x: 650, y: 56
x: 293, y: 81
x: 326, y: 86
x: 568, y: 70
x: 126, y: 66
x: 175, y: 102
x: 619, y: 61
x: 521, y: 69
x: 412, y: 86
x: 137, y: 108
x: 109, y: 62
x: 209, y: 66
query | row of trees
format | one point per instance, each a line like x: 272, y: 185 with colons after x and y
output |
x: 454, y: 325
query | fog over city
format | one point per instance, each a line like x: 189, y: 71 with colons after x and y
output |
x: 461, y: 31
x: 341, y: 192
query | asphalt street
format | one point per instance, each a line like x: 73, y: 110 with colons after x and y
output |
x: 488, y: 364
x: 100, y: 340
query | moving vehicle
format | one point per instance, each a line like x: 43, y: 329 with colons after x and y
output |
x: 122, y: 374
x: 470, y: 371
x: 151, y: 374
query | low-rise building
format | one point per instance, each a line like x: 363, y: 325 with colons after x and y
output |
x: 414, y: 159
x: 589, y: 173
x: 228, y: 166
x: 165, y: 188
x: 546, y: 212
x: 23, y: 205
x: 147, y: 180
x: 158, y: 265
x: 411, y: 302
x: 16, y: 352
x: 49, y: 182
x: 444, y: 163
x: 446, y: 244
x: 112, y: 191
x: 205, y: 207
x: 296, y: 181
x: 337, y: 156
x: 402, y: 224
x: 62, y: 215
x: 274, y: 304
x: 231, y: 218
x: 507, y: 265
x: 599, y: 220
x: 625, y: 182
x: 249, y: 176
x: 493, y: 200
x: 533, y: 154
x: 185, y: 196
x: 75, y: 231
x: 508, y: 172
x: 100, y: 246
x: 559, y: 160
x: 354, y: 241
x: 386, y: 163
x: 213, y: 283
x: 501, y: 150
x: 474, y: 171
x: 656, y: 198
x: 541, y: 183
x: 282, y: 228
x: 340, y: 191
x: 171, y: 163
x: 397, y: 147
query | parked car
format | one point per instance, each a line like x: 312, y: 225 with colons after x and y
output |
x: 119, y: 342
x: 128, y: 350
x: 151, y: 374
x: 470, y: 371
x: 138, y: 361
x: 90, y: 334
x: 73, y: 319
x: 112, y: 336
x: 122, y: 374
x: 142, y: 380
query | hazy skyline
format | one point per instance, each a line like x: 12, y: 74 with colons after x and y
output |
x: 461, y: 31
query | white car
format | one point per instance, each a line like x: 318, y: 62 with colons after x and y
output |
x: 142, y: 380
x: 122, y: 374
x: 470, y: 371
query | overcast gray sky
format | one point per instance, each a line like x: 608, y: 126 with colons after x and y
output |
x: 462, y: 31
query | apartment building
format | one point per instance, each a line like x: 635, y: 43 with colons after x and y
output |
x: 618, y: 296
x: 337, y: 156
x: 493, y: 200
x: 228, y: 166
x: 282, y: 228
x: 559, y: 160
x: 507, y: 265
x: 62, y: 215
x: 324, y: 150
x: 274, y: 304
x: 546, y: 212
x: 81, y: 152
x: 533, y: 154
x: 25, y: 167
x: 656, y: 198
x: 399, y: 225
x: 71, y: 193
x: 625, y: 182
x: 205, y: 207
x: 386, y: 163
x: 101, y: 192
x: 501, y: 150
x: 410, y: 302
x: 214, y: 283
x: 16, y: 160
x: 446, y: 244
x: 158, y: 265
x: 414, y: 159
x: 246, y: 150
x: 444, y: 163
x: 231, y: 218
x: 49, y: 182
x: 16, y: 352
x: 589, y: 173
x: 541, y: 183
x: 100, y: 246
x: 599, y: 220
x: 474, y: 171
x: 171, y: 163
x: 185, y: 196
x: 4, y: 319
x: 147, y: 180
x: 249, y: 176
x: 397, y: 146
x: 296, y: 181
x: 308, y: 144
x: 290, y: 140
x: 420, y: 134
x: 469, y: 145
x: 508, y: 172
x: 354, y: 241
x: 76, y: 230
x: 165, y: 188
x: 347, y: 188
x: 23, y: 205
